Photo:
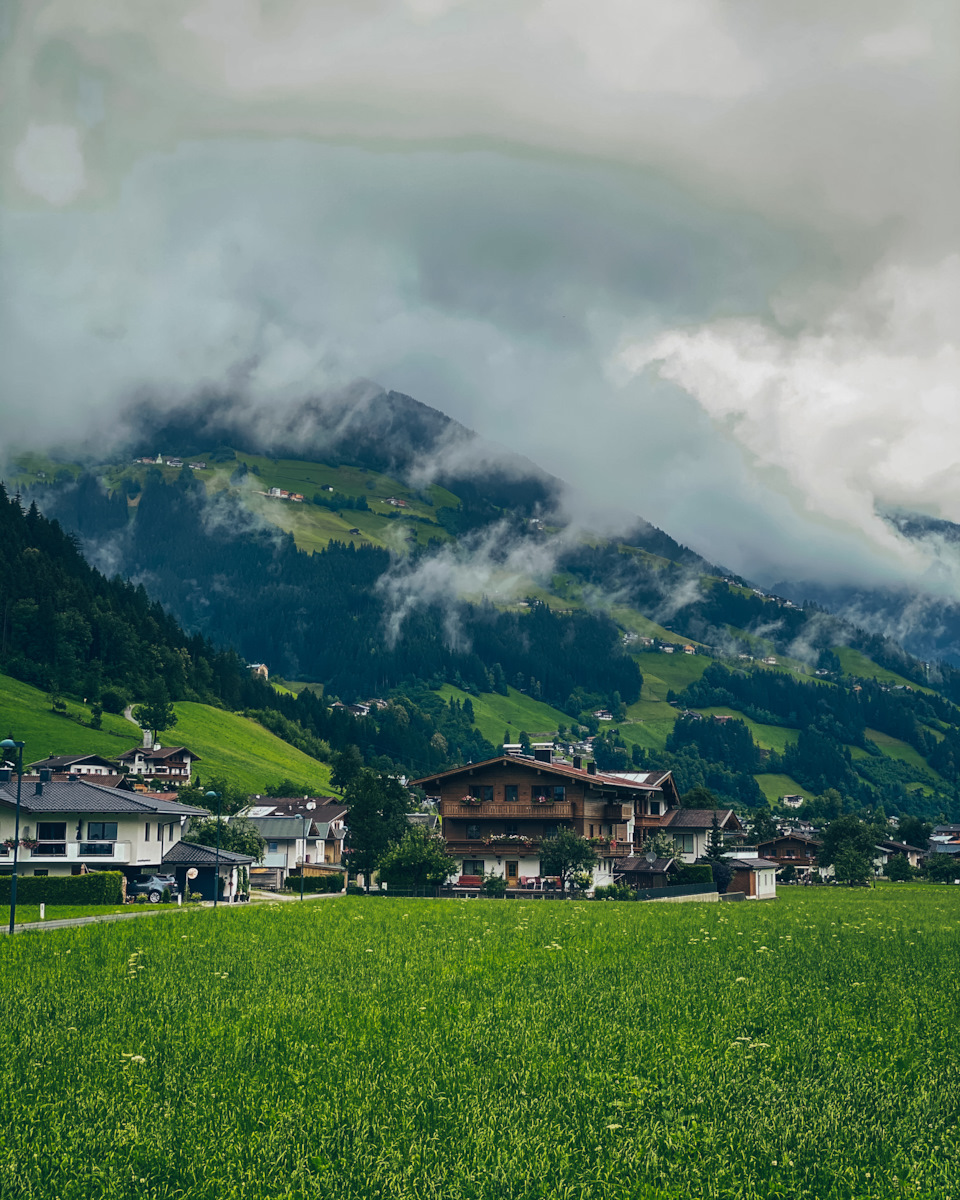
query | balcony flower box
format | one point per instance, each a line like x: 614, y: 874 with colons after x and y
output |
x: 543, y: 799
x: 507, y: 839
x: 473, y: 801
x: 28, y: 843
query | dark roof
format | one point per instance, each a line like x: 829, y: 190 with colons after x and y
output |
x: 62, y: 762
x: 700, y: 818
x: 283, y: 827
x: 166, y: 752
x: 81, y: 796
x: 656, y: 778
x: 751, y: 864
x: 659, y: 866
x: 193, y: 854
x: 901, y: 846
x: 790, y: 837
x: 321, y: 808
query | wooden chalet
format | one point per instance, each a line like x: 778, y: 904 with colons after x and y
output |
x: 496, y: 813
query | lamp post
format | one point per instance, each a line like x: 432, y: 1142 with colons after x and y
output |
x: 218, y: 796
x: 10, y: 744
x: 303, y: 855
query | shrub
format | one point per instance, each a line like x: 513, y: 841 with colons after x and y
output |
x: 315, y: 883
x: 694, y: 873
x: 97, y: 887
x: 112, y: 702
x: 614, y: 891
x: 494, y: 886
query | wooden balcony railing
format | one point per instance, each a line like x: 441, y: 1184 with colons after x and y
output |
x: 559, y: 810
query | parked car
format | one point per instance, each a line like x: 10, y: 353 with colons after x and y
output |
x: 152, y: 887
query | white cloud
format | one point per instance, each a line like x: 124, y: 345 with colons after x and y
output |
x: 48, y: 163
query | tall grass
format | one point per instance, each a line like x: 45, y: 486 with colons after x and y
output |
x: 479, y: 1050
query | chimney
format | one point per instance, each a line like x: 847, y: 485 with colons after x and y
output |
x: 38, y: 788
x: 45, y: 775
x: 544, y: 756
x: 5, y: 774
x: 148, y: 739
x: 577, y: 762
x: 591, y: 768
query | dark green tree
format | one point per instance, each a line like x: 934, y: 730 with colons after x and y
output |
x: 566, y: 853
x: 914, y: 832
x: 762, y: 825
x: 157, y: 713
x: 698, y: 797
x: 347, y: 765
x: 716, y: 857
x: 899, y: 870
x: 376, y: 820
x: 418, y: 860
x: 238, y: 835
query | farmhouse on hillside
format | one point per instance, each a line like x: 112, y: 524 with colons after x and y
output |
x: 171, y: 763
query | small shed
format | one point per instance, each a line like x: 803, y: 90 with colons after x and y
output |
x: 183, y: 855
x: 756, y: 878
x: 638, y: 873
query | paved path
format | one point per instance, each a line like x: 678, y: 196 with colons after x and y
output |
x: 160, y: 910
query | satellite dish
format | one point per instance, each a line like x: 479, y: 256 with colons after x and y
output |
x: 192, y: 873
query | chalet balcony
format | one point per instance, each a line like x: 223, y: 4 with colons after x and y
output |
x: 521, y: 810
x: 478, y: 847
x: 617, y: 812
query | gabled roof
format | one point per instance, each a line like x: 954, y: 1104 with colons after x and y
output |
x: 193, y: 854
x: 652, y: 780
x: 701, y: 818
x: 659, y: 866
x: 752, y: 864
x: 158, y: 755
x: 63, y: 762
x: 790, y: 837
x: 321, y: 808
x: 901, y: 847
x: 284, y: 827
x: 82, y: 796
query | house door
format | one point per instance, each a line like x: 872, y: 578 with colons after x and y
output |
x: 513, y: 873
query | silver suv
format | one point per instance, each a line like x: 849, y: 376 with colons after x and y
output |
x: 152, y: 887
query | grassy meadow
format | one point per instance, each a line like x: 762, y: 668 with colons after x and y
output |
x: 481, y: 1050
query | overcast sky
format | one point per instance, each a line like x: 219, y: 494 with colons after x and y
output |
x: 699, y: 258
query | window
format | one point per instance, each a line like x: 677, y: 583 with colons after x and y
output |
x: 41, y: 871
x: 511, y: 827
x: 146, y: 832
x: 510, y: 793
x: 473, y: 832
x: 684, y: 841
x: 550, y: 831
x: 591, y: 831
x: 472, y: 866
x: 272, y: 847
x: 102, y: 831
x: 560, y: 794
x: 482, y: 791
x: 51, y: 831
x: 654, y: 808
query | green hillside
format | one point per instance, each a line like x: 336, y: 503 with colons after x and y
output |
x: 775, y: 786
x: 854, y: 662
x: 26, y: 716
x: 496, y: 714
x: 243, y: 752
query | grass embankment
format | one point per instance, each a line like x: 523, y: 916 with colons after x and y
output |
x: 231, y: 746
x: 496, y: 714
x: 490, y: 1051
x: 28, y: 913
x: 243, y: 752
x: 26, y: 716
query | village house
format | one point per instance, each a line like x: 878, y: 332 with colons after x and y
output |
x: 76, y: 764
x: 755, y: 877
x: 172, y: 763
x: 791, y: 801
x: 68, y: 825
x: 496, y: 813
x: 690, y: 828
x: 799, y: 850
x: 890, y: 849
x: 298, y: 830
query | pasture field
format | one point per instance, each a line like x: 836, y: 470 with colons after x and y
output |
x: 489, y: 1050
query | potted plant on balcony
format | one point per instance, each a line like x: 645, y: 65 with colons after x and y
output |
x: 9, y: 843
x: 28, y: 843
x: 470, y: 800
x: 543, y: 799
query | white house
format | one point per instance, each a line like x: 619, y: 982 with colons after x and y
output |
x: 171, y: 764
x: 690, y: 828
x: 76, y: 764
x: 66, y: 825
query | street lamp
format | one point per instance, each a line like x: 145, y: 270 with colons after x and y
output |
x: 303, y: 853
x: 10, y: 744
x: 218, y: 796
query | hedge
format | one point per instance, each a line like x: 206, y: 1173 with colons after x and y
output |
x: 315, y: 883
x: 97, y: 887
x: 694, y: 873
